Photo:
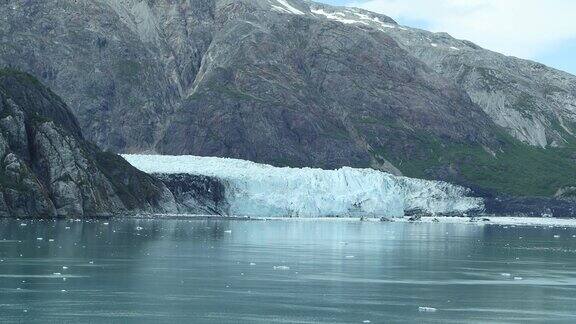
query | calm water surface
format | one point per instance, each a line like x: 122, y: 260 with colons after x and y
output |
x: 220, y: 271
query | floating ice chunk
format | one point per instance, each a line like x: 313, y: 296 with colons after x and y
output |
x: 433, y: 44
x: 505, y: 274
x: 39, y: 239
x: 50, y: 240
x: 228, y: 231
x: 350, y: 257
x: 518, y: 278
x: 252, y: 263
x: 23, y: 224
x: 138, y: 228
x: 556, y: 236
x: 281, y: 268
x: 427, y: 309
x: 64, y: 268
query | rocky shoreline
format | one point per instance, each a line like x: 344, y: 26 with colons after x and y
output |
x: 530, y: 207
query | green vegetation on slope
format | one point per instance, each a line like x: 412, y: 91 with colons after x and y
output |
x: 516, y: 169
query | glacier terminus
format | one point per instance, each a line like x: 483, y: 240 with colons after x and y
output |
x: 260, y: 190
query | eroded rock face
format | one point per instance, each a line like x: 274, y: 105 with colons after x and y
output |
x: 75, y: 182
x: 23, y: 194
x: 532, y: 102
x: 247, y: 79
x: 47, y: 169
x: 197, y: 194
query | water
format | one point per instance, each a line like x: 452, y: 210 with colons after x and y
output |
x: 219, y: 271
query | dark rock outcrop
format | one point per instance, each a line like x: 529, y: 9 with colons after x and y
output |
x: 47, y: 169
x: 197, y: 194
x: 531, y: 206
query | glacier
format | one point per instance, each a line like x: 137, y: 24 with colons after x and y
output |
x: 259, y: 190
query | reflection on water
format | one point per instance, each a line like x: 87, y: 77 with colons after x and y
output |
x: 220, y: 271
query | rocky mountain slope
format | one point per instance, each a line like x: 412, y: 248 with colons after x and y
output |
x: 293, y: 82
x: 47, y: 169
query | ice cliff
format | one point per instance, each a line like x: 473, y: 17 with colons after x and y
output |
x: 253, y: 189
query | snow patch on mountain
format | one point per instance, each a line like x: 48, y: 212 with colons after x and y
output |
x: 374, y: 20
x: 287, y: 8
x: 260, y: 190
x: 338, y: 16
x: 353, y: 16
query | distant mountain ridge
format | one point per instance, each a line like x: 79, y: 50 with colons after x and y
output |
x: 297, y: 83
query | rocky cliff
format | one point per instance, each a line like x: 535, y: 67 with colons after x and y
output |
x: 197, y: 194
x: 296, y: 83
x: 47, y: 169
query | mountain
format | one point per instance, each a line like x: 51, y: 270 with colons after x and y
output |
x: 47, y: 169
x: 296, y: 83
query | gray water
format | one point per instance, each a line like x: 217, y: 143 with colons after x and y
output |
x: 221, y: 271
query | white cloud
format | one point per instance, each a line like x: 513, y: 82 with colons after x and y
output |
x: 523, y: 28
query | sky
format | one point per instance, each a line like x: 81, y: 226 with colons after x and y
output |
x: 539, y: 30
